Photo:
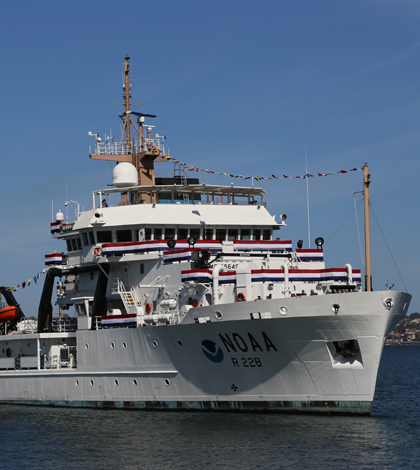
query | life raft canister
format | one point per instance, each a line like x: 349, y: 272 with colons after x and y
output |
x: 240, y: 297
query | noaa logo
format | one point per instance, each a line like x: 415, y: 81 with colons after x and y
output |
x: 212, y: 351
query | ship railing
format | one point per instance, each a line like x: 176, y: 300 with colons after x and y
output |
x: 65, y: 325
x: 122, y: 148
x: 49, y: 362
x: 56, y: 361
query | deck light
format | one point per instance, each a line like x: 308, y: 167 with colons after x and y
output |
x: 191, y: 241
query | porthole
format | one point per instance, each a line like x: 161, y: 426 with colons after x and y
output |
x: 124, y: 345
x: 167, y: 382
x: 91, y: 383
x: 155, y: 344
x: 86, y: 346
x: 116, y: 383
x: 218, y: 315
x: 77, y: 383
x: 112, y: 345
x: 283, y: 310
x: 135, y: 382
x: 179, y: 342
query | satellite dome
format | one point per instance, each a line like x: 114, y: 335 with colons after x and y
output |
x: 59, y: 217
x: 124, y: 175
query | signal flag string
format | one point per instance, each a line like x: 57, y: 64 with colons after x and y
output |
x: 258, y: 178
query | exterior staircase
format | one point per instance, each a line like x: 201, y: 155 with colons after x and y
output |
x: 129, y: 298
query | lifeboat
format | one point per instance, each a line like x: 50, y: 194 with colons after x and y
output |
x: 7, y: 314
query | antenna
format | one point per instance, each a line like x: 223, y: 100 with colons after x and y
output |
x: 307, y: 197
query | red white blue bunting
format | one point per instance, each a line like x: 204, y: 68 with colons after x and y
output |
x: 308, y: 254
x: 182, y: 250
x: 119, y: 320
x: 273, y: 275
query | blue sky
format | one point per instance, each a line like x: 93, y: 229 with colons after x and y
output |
x: 239, y: 87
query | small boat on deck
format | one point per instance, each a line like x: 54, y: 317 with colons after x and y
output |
x: 8, y: 314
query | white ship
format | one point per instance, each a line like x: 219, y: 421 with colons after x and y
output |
x: 185, y: 297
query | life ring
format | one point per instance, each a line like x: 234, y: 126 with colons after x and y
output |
x: 8, y: 352
x: 194, y: 303
x: 97, y: 251
x: 148, y: 308
x: 240, y: 297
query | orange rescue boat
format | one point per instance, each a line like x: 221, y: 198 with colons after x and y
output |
x: 7, y: 314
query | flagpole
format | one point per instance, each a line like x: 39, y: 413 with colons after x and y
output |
x: 366, y: 183
x: 307, y: 198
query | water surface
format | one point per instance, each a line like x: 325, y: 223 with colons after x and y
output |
x: 63, y: 438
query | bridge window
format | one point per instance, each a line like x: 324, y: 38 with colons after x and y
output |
x: 233, y: 234
x: 147, y: 233
x: 257, y: 234
x: 208, y: 234
x: 169, y: 233
x: 104, y: 236
x: 88, y: 238
x: 158, y: 234
x: 221, y: 234
x: 182, y: 233
x: 74, y: 244
x: 245, y: 234
x: 195, y: 232
x: 266, y: 234
x: 124, y: 236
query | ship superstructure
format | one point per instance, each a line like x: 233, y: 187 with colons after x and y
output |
x: 185, y: 296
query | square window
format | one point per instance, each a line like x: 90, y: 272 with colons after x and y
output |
x: 169, y: 233
x: 158, y: 234
x: 147, y: 233
x: 208, y: 234
x: 124, y: 236
x: 221, y: 234
x: 182, y: 233
x: 245, y: 234
x: 104, y: 236
x: 266, y: 234
x: 233, y: 234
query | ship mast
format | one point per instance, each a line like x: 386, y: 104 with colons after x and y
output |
x: 140, y: 151
x: 366, y: 183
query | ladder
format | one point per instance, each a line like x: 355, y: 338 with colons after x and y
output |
x: 129, y: 298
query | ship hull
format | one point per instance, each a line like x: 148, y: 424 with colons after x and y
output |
x: 271, y: 363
